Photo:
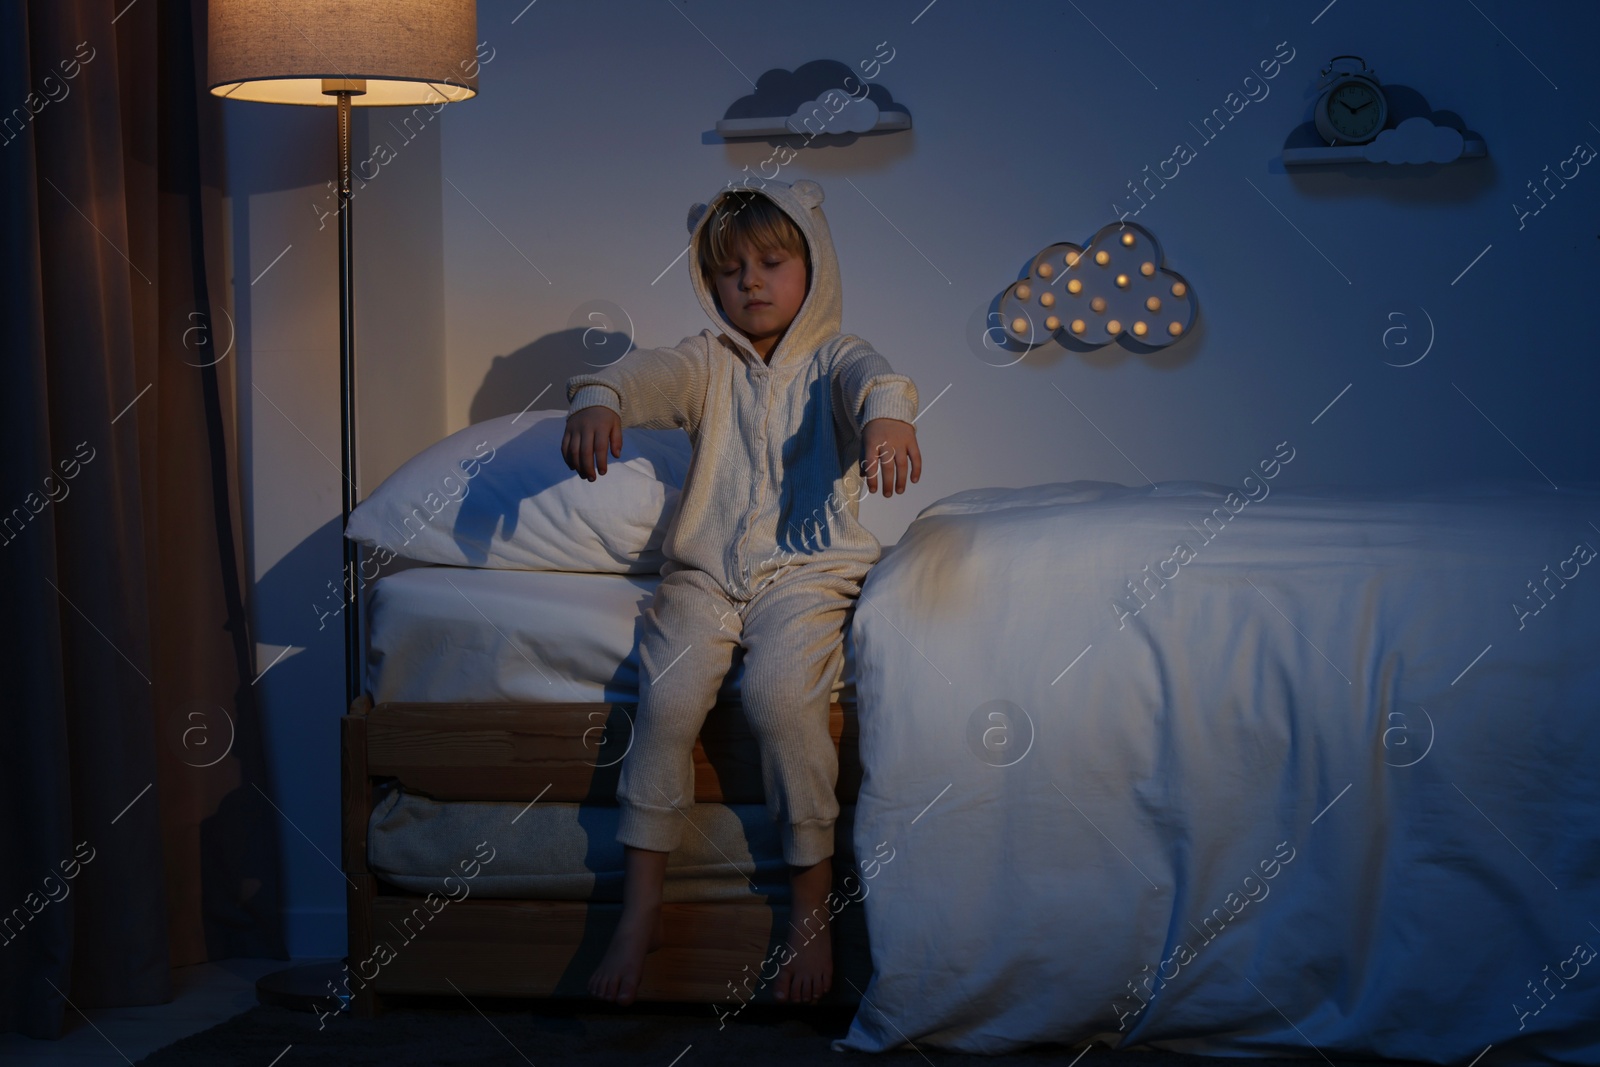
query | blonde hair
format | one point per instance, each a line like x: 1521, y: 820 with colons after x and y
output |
x: 739, y: 215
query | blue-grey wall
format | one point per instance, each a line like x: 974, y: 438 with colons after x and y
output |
x: 563, y: 189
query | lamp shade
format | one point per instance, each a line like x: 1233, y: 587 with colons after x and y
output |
x: 283, y: 51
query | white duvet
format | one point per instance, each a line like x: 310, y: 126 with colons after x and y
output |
x: 1327, y: 781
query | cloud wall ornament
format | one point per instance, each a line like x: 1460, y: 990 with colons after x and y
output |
x: 823, y: 98
x: 1115, y: 288
x: 1415, y: 134
x: 1416, y: 140
x: 846, y: 114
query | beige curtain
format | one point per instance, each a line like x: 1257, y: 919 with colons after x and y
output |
x: 134, y: 838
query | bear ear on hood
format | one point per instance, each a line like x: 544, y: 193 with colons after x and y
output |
x: 808, y: 192
x: 696, y: 213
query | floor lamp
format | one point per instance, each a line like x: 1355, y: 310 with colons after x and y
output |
x: 344, y: 54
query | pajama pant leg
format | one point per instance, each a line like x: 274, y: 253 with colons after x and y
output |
x: 792, y: 632
x: 685, y: 653
x: 793, y: 635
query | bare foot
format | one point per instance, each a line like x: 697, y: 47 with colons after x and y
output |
x: 617, y: 977
x: 807, y: 973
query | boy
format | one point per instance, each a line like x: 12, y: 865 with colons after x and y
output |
x: 764, y: 551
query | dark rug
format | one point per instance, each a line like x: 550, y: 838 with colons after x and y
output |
x: 429, y: 1033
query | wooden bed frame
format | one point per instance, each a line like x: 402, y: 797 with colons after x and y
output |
x: 713, y: 951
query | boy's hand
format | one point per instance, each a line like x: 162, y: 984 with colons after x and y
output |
x: 889, y: 445
x: 590, y: 432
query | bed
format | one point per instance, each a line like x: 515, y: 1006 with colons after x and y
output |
x: 1321, y: 781
x: 1237, y: 771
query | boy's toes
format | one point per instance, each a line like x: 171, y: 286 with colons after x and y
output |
x: 780, y: 985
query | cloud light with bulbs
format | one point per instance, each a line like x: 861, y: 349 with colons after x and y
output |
x: 1115, y: 288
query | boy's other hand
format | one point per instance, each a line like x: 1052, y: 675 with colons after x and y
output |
x: 889, y: 446
x: 591, y: 432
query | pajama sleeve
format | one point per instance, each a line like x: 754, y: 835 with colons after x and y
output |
x: 867, y: 387
x: 651, y: 388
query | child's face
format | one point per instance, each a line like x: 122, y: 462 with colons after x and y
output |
x: 761, y: 292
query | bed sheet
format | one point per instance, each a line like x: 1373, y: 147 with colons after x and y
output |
x: 441, y: 633
x: 1314, y: 773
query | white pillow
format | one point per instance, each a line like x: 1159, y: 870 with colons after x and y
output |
x: 498, y: 494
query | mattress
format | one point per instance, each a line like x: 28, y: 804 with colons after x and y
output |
x: 440, y: 633
x: 730, y: 852
x: 1240, y: 774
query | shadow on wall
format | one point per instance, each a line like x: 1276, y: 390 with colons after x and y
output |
x: 241, y: 878
x: 537, y: 372
x: 298, y: 610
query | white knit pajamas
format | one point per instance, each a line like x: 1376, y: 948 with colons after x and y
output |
x: 765, y: 551
x: 792, y: 635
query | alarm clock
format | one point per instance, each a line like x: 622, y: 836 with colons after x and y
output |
x: 1352, y: 109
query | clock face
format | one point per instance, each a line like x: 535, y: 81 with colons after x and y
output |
x: 1354, y: 110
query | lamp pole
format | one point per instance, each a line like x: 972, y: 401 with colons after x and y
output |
x: 342, y: 90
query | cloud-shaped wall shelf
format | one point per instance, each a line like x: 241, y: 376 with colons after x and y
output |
x: 822, y: 98
x: 1115, y: 288
x: 1415, y: 134
x: 1416, y: 140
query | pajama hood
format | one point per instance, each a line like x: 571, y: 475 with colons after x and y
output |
x: 818, y: 319
x: 773, y: 484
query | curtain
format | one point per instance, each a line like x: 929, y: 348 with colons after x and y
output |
x: 134, y: 838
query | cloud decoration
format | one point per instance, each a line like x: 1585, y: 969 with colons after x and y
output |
x: 1415, y: 134
x: 821, y: 98
x: 848, y: 115
x: 1115, y: 288
x: 1416, y: 140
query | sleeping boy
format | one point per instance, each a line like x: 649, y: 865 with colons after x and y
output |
x: 764, y: 552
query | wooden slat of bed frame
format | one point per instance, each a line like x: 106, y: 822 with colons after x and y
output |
x: 549, y: 948
x: 714, y: 952
x: 513, y: 752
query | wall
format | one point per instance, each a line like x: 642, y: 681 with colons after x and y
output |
x: 567, y: 181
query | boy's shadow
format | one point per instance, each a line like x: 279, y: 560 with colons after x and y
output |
x: 803, y: 523
x: 538, y: 371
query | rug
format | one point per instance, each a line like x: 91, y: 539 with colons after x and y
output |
x: 442, y: 1033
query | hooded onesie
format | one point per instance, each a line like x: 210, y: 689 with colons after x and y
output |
x: 765, y: 555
